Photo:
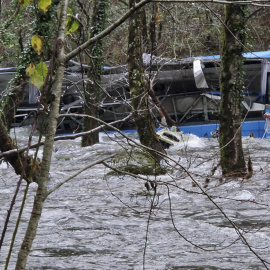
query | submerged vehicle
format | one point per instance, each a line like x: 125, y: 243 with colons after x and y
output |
x: 169, y: 137
x: 187, y: 88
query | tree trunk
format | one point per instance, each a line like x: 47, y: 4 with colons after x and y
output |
x: 18, y: 161
x: 48, y: 145
x: 154, y: 22
x: 150, y: 32
x: 92, y: 96
x: 139, y: 96
x: 231, y: 85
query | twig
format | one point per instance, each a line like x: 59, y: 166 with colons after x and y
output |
x: 17, y: 226
x: 77, y: 173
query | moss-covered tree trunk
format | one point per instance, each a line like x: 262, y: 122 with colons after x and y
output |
x: 231, y: 84
x: 92, y: 96
x: 143, y: 119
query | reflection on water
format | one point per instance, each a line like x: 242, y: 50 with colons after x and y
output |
x: 93, y: 222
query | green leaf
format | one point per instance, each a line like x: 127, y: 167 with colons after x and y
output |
x: 71, y: 24
x: 42, y: 69
x: 44, y: 5
x: 30, y: 70
x: 37, y: 80
x: 25, y: 3
x: 37, y: 74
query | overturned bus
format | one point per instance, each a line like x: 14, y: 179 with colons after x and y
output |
x: 187, y: 88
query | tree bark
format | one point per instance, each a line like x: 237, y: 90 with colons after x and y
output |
x: 92, y: 95
x: 48, y: 145
x: 139, y: 96
x: 231, y: 84
x: 16, y: 160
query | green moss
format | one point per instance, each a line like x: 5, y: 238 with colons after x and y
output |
x: 147, y: 194
x: 63, y: 158
x: 145, y: 170
x: 137, y: 162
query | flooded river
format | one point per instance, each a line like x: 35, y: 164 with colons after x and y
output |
x: 97, y: 222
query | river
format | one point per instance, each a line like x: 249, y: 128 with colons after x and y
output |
x: 98, y: 222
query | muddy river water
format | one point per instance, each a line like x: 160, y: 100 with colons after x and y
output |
x: 97, y: 222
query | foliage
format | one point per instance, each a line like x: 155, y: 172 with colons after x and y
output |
x: 37, y: 74
x: 185, y: 30
x: 43, y: 5
x: 72, y: 24
x: 37, y: 44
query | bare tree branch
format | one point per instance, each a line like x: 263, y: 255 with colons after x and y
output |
x: 107, y: 31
